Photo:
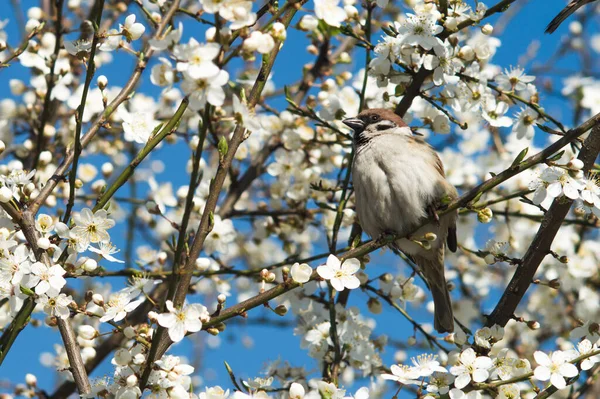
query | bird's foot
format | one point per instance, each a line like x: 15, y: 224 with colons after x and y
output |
x: 431, y: 211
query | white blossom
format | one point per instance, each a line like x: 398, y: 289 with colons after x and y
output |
x: 181, y: 321
x: 554, y: 368
x: 340, y: 275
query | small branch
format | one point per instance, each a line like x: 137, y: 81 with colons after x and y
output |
x: 189, y: 200
x: 430, y: 338
x: 415, y: 87
x: 161, y: 341
x: 60, y: 173
x: 50, y: 85
x: 91, y: 69
x: 21, y: 49
x: 144, y: 152
x: 74, y: 354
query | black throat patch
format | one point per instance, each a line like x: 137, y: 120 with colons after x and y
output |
x: 361, y: 139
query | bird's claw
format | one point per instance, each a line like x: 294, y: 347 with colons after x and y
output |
x: 433, y: 214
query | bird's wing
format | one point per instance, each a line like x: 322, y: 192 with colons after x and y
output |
x: 565, y: 13
x: 451, y: 241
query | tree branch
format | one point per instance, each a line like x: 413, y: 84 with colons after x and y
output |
x: 540, y: 246
x: 161, y: 341
x: 419, y: 78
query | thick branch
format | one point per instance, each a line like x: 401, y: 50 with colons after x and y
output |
x: 540, y: 246
x: 107, y: 346
x: 373, y: 245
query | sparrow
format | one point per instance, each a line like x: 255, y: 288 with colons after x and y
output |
x: 573, y: 6
x: 399, y: 182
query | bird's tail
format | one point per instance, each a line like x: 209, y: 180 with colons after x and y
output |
x: 564, y: 14
x: 433, y: 271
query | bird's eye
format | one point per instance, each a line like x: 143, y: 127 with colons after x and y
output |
x: 375, y: 118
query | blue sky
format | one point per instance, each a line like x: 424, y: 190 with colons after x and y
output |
x: 269, y: 342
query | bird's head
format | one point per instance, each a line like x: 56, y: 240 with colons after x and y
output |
x: 376, y: 122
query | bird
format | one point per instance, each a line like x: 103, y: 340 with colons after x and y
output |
x: 399, y: 182
x: 573, y: 6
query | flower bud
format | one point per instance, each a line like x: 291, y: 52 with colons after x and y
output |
x: 102, y: 82
x: 35, y: 13
x: 156, y: 17
x: 107, y: 169
x: 49, y: 131
x: 487, y: 29
x: 31, y: 380
x: 86, y: 331
x: 122, y: 357
x: 32, y: 25
x: 533, y: 325
x: 490, y: 259
x: 28, y: 189
x: 213, y: 331
x: 374, y: 306
x: 411, y: 341
x: 296, y: 391
x: 278, y: 31
x: 575, y: 164
x: 466, y: 53
x: 5, y: 194
x: 308, y: 23
x: 485, y: 215
x: 152, y: 208
x: 45, y: 157
x: 132, y: 380
x: 98, y: 299
x: 2, y: 146
x: 313, y: 50
x: 43, y: 243
x: 575, y: 28
x: 17, y: 87
x: 129, y: 332
x: 89, y: 265
x: 221, y: 298
x: 280, y: 310
x: 344, y: 58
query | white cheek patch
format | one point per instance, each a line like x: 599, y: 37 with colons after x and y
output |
x: 384, y: 125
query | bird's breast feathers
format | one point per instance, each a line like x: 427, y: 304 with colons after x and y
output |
x: 395, y: 179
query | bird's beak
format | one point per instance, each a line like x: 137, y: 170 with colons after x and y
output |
x: 355, y: 124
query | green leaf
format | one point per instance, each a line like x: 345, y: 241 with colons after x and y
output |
x: 520, y: 157
x: 545, y: 128
x: 556, y: 157
x: 223, y: 147
x: 26, y: 291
